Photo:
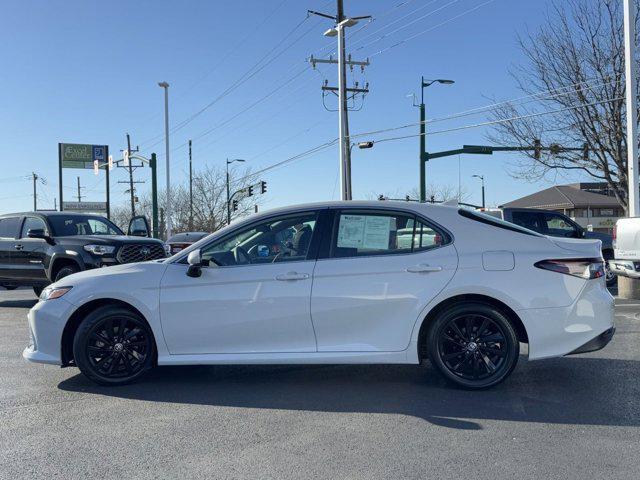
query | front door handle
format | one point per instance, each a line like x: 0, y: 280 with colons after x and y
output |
x: 292, y: 276
x: 423, y: 268
x: 18, y: 246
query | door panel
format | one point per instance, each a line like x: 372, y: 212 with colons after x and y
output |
x: 240, y: 309
x: 9, y: 230
x: 29, y: 253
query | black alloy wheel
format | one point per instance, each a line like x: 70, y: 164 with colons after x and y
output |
x: 473, y: 345
x: 113, y: 346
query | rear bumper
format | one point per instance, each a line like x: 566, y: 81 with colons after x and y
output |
x: 625, y: 268
x: 597, y: 343
x: 559, y: 331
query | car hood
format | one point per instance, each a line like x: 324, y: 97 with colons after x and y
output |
x: 108, y: 239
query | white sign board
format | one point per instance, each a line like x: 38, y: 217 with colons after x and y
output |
x: 364, y: 232
x: 85, y: 206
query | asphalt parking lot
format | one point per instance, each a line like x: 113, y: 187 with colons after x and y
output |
x: 574, y: 417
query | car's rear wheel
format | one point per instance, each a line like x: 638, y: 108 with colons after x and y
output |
x: 473, y: 345
x: 113, y: 346
x: 610, y: 277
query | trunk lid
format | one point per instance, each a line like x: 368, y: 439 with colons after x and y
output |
x: 579, y: 247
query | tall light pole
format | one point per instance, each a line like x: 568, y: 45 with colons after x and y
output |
x: 481, y: 177
x: 423, y: 134
x: 631, y: 100
x: 167, y: 210
x: 229, y: 162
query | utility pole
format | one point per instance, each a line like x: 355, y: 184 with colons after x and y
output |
x: 133, y: 205
x: 34, y: 176
x: 190, y: 189
x: 168, y: 209
x: 342, y: 22
x: 79, y: 188
x: 633, y: 204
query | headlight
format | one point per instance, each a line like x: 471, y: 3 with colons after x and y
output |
x: 100, y: 249
x: 51, y: 293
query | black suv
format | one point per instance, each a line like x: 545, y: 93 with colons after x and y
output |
x: 42, y: 247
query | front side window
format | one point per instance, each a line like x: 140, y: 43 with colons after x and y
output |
x: 71, y: 225
x: 32, y: 223
x: 285, y: 239
x: 381, y: 233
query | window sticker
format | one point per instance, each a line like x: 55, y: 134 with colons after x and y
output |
x: 364, y: 232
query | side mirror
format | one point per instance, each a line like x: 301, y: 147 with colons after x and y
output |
x: 195, y: 264
x: 39, y: 233
x: 139, y: 227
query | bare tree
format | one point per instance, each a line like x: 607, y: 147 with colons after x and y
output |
x: 209, y: 202
x: 574, y: 81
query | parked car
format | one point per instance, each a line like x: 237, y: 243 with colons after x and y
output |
x: 180, y: 241
x: 626, y: 244
x: 556, y: 224
x: 464, y: 297
x: 38, y: 248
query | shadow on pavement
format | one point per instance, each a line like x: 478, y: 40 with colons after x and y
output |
x: 570, y: 390
x: 18, y: 303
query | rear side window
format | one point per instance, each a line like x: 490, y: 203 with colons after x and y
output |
x: 9, y: 227
x: 529, y: 220
x: 495, y: 222
x: 361, y: 233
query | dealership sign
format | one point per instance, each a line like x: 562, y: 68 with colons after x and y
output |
x: 76, y: 155
x: 84, y: 206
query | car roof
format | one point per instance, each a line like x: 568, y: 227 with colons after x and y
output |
x: 49, y: 214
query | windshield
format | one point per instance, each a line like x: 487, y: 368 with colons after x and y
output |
x: 71, y: 225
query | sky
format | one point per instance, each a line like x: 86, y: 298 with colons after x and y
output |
x: 87, y: 71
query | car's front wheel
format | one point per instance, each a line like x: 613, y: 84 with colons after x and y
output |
x: 113, y: 346
x: 473, y: 345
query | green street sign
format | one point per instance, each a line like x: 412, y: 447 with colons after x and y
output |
x: 75, y: 155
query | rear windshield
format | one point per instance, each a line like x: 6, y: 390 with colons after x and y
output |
x: 496, y: 222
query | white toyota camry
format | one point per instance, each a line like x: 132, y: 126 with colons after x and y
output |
x: 336, y: 283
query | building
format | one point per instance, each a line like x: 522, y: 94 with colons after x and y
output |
x: 591, y: 205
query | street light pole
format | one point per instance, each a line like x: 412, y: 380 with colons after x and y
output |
x: 423, y: 134
x: 165, y: 85
x: 481, y: 177
x: 228, y: 188
x: 633, y: 201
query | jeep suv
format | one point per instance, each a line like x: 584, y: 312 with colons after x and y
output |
x: 42, y: 247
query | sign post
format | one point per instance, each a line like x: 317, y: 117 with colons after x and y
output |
x: 84, y: 156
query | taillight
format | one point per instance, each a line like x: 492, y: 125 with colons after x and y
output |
x: 587, y: 268
x: 615, y: 231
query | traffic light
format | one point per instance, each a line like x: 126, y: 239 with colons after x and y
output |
x: 96, y: 167
x: 537, y: 148
x: 263, y: 187
x: 250, y: 191
x: 110, y: 162
x: 235, y: 205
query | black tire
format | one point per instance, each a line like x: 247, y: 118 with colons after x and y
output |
x: 10, y: 287
x: 610, y: 277
x: 66, y: 271
x: 473, y: 345
x: 38, y: 290
x: 113, y: 346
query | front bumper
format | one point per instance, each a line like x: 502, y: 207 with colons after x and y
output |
x: 46, y: 324
x: 625, y: 268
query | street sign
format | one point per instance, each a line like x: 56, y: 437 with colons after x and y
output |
x: 74, y: 155
x: 84, y: 206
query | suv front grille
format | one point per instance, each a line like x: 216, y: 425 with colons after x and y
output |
x: 140, y: 252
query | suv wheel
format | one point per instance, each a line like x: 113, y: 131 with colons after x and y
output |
x: 113, y: 346
x: 609, y: 276
x: 473, y: 345
x: 66, y: 271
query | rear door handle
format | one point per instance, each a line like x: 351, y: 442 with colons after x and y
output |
x: 422, y: 268
x: 18, y: 246
x: 292, y: 276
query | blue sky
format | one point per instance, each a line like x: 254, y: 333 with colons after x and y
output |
x: 87, y: 72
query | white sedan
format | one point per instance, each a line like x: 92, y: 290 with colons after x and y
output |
x: 336, y: 283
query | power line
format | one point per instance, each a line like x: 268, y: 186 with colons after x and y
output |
x: 411, y: 37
